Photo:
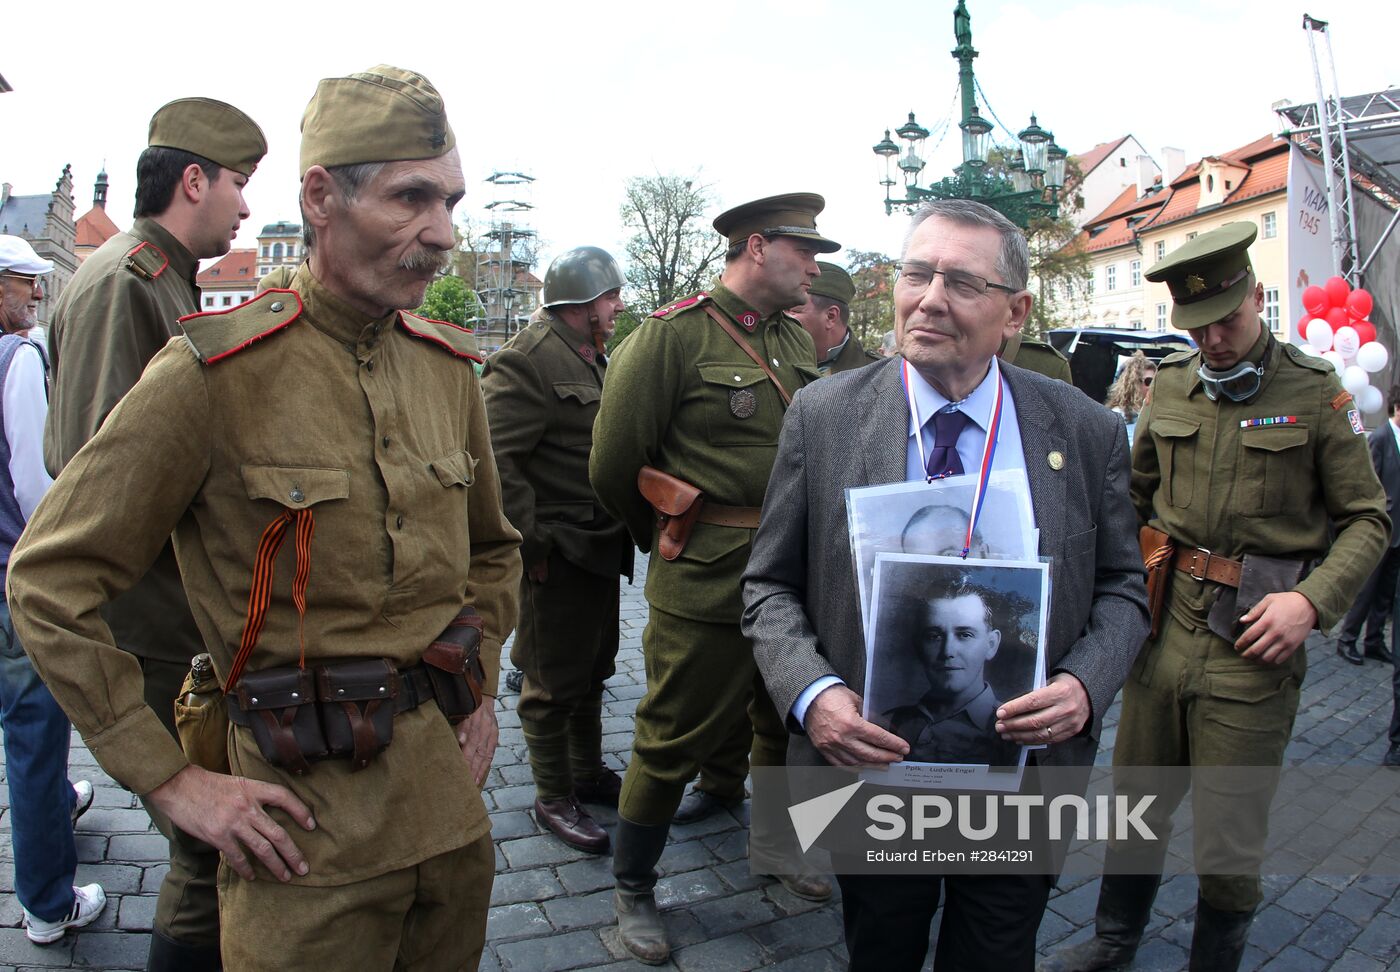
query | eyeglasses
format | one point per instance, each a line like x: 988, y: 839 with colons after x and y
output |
x: 959, y: 283
x: 30, y: 278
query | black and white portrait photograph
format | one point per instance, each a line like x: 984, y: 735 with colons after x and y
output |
x: 951, y: 641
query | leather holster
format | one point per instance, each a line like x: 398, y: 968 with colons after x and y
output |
x: 1157, y: 549
x: 677, y: 505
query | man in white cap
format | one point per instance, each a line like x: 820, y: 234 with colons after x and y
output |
x: 43, y: 804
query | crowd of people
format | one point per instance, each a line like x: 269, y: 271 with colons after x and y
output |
x: 433, y: 511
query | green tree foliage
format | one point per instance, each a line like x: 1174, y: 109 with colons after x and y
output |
x: 673, y: 250
x: 872, y: 307
x: 450, y: 299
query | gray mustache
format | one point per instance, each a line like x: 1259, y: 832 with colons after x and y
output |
x: 434, y: 260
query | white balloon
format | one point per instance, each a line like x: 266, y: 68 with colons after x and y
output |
x: 1335, y: 360
x: 1372, y: 356
x: 1347, y: 341
x: 1355, y: 379
x: 1370, y: 400
x: 1319, y: 334
x: 1308, y: 349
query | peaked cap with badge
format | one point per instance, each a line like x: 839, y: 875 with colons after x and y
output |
x: 211, y: 129
x: 384, y: 114
x: 834, y: 283
x: 791, y: 214
x: 1209, y: 277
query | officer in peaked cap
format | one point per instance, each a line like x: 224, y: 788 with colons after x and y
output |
x: 120, y: 308
x: 542, y: 392
x: 333, y: 415
x: 1249, y: 451
x: 826, y: 316
x: 698, y: 393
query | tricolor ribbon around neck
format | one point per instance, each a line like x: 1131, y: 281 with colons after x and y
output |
x: 984, y: 470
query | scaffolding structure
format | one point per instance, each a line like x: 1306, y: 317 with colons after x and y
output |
x: 503, y: 260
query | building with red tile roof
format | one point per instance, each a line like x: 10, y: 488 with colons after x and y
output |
x: 229, y: 281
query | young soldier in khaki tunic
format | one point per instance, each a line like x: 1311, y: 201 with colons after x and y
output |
x: 826, y: 317
x: 686, y: 398
x: 119, y: 310
x: 542, y: 391
x: 1249, y: 449
x: 323, y: 410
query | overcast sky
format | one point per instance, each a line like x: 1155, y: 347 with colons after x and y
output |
x: 755, y: 96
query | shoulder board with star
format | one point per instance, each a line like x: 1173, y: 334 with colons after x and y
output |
x: 1292, y: 353
x: 1179, y: 358
x: 216, y: 335
x: 685, y: 303
x: 458, y: 341
x: 146, y: 260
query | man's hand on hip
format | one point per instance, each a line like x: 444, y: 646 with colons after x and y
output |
x: 835, y: 726
x: 1278, y: 624
x: 478, y: 735
x: 1048, y: 715
x: 227, y: 813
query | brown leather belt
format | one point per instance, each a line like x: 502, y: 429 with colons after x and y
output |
x: 729, y: 516
x: 1204, y: 565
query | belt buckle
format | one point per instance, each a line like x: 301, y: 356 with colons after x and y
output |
x: 1205, y: 568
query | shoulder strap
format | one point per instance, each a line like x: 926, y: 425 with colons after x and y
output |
x: 728, y: 328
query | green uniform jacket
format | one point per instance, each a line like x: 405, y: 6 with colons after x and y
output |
x: 120, y: 309
x: 1267, y: 489
x: 378, y: 427
x: 542, y: 392
x: 851, y: 356
x: 1037, y: 356
x: 683, y: 397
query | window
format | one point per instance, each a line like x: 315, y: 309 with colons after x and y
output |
x: 1190, y: 236
x: 1161, y: 317
x: 277, y: 251
x: 1110, y: 277
x: 208, y: 301
x: 228, y: 302
x: 1270, y: 222
x: 1271, y: 317
x: 1161, y: 249
x: 1090, y: 288
x: 1135, y: 325
x: 1135, y: 273
x: 267, y: 251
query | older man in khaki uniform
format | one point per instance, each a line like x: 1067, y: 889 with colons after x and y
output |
x: 542, y: 393
x: 119, y: 310
x: 1248, y: 457
x: 330, y: 417
x: 697, y: 393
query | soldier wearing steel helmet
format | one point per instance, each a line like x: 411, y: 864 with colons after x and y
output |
x: 542, y: 393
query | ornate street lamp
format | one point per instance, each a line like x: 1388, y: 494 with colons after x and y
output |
x: 1035, y: 169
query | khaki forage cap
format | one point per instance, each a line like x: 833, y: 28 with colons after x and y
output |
x: 385, y: 114
x: 1209, y: 276
x: 834, y: 283
x: 210, y: 129
x: 791, y: 214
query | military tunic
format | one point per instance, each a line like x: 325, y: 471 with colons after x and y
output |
x: 542, y: 391
x: 1037, y: 356
x: 684, y: 398
x: 965, y: 736
x: 1208, y: 477
x: 850, y: 356
x: 378, y: 428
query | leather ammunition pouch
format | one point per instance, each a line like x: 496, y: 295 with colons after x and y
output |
x: 677, y: 505
x: 279, y: 706
x: 357, y: 701
x: 1157, y: 549
x: 453, y: 666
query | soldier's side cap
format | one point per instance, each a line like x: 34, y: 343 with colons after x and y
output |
x: 210, y: 129
x: 834, y: 283
x: 1209, y: 276
x: 793, y: 214
x: 385, y: 114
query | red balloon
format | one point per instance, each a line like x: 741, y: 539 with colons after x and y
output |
x: 1359, y: 304
x: 1337, y: 317
x: 1315, y: 300
x: 1365, y: 330
x: 1337, y: 290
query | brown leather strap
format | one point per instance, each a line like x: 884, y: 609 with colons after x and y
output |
x: 744, y: 346
x: 1204, y: 565
x: 362, y: 732
x: 729, y: 516
x: 279, y: 730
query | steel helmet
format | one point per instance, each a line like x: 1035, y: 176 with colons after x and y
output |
x: 580, y: 276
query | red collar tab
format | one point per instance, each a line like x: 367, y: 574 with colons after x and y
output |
x: 748, y: 319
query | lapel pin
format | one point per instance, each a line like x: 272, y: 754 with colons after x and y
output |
x: 1056, y: 460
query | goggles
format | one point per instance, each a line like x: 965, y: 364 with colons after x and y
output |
x: 1237, y: 384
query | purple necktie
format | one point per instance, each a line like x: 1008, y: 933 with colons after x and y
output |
x: 947, y: 426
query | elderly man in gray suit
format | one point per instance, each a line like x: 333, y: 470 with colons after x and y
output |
x: 960, y: 293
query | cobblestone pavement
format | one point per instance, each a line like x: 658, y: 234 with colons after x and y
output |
x: 552, y: 907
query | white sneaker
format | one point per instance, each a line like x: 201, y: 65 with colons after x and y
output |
x: 83, y: 789
x: 88, y: 902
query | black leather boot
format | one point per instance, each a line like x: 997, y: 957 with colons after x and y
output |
x: 636, y: 850
x: 1218, y: 942
x: 168, y: 955
x: 1125, y: 905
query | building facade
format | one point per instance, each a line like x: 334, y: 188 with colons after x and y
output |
x: 228, y: 281
x: 279, y: 245
x: 46, y: 221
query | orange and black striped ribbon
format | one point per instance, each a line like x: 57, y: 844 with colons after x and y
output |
x: 260, y: 595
